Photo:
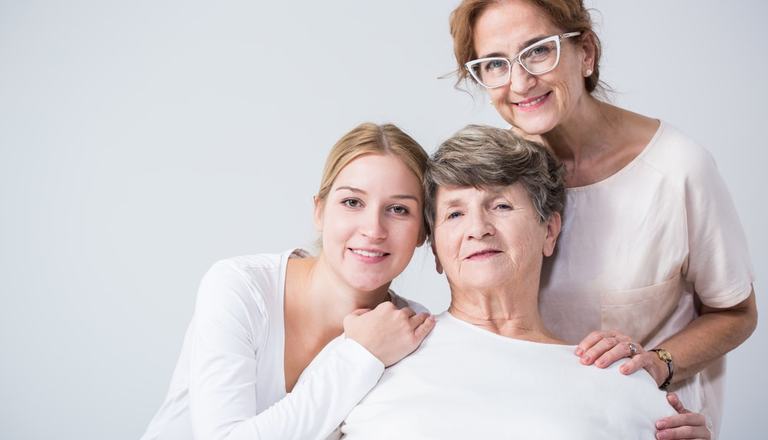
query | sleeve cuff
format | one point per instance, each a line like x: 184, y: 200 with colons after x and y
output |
x: 733, y: 297
x: 352, y: 351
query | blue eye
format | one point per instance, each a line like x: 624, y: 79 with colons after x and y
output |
x: 453, y: 215
x: 504, y: 207
x: 495, y: 65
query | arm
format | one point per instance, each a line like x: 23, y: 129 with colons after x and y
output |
x: 706, y: 338
x: 718, y: 267
x: 231, y: 324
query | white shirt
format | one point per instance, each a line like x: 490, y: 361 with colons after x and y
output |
x: 636, y: 247
x: 465, y: 382
x: 229, y: 382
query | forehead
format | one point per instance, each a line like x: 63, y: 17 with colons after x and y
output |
x: 379, y: 171
x: 509, y: 26
x: 448, y: 195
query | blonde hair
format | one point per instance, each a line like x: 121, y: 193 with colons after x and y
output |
x: 369, y: 138
x: 568, y: 15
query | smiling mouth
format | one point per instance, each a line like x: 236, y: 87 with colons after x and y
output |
x: 532, y: 102
x: 368, y: 254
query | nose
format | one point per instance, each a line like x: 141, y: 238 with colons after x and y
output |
x: 480, y: 225
x: 373, y: 227
x: 520, y: 81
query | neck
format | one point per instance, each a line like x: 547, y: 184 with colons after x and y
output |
x: 585, y: 133
x: 513, y: 313
x: 324, y: 299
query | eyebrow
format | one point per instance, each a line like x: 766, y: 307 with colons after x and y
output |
x: 450, y: 203
x: 395, y: 196
x: 522, y: 46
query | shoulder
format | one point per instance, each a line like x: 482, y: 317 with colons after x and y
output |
x: 401, y: 302
x: 248, y: 280
x: 675, y: 154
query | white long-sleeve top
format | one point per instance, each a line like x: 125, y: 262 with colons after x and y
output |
x: 229, y: 382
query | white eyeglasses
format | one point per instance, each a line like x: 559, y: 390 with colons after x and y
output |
x: 537, y: 59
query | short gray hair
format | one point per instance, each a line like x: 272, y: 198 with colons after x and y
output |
x: 482, y: 156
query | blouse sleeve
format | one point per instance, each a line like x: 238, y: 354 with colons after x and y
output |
x: 718, y: 263
x: 231, y: 324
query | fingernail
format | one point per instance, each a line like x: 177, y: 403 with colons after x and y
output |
x: 601, y: 364
x: 624, y: 370
x: 586, y: 359
x: 579, y: 352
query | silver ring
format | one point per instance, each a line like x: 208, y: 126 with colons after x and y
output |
x: 632, y: 349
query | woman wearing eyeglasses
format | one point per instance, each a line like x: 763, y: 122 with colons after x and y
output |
x: 652, y: 262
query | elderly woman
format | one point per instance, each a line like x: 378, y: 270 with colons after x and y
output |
x: 652, y: 253
x: 491, y: 368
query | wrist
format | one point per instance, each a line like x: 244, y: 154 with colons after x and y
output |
x: 658, y: 369
x: 664, y: 357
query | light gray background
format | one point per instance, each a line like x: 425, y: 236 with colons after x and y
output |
x: 141, y: 141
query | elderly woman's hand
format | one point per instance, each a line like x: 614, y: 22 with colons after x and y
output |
x: 684, y: 425
x: 604, y: 347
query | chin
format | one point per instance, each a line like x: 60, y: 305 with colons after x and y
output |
x: 368, y: 284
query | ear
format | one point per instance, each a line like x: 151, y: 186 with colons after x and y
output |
x: 553, y: 230
x: 438, y: 266
x: 318, y: 213
x: 589, y: 47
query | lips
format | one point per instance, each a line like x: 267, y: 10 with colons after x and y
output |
x: 368, y: 253
x: 368, y: 256
x: 532, y: 103
x: 485, y: 253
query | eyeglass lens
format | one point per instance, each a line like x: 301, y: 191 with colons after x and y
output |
x: 537, y: 59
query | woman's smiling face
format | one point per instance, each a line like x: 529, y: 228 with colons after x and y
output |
x: 485, y: 238
x: 371, y: 221
x: 533, y: 104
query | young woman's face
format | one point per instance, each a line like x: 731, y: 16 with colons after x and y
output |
x: 371, y: 221
x: 533, y: 103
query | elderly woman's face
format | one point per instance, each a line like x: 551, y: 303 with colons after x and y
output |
x: 534, y: 104
x: 486, y: 238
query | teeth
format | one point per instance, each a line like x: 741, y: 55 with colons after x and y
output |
x: 367, y: 254
x: 534, y: 102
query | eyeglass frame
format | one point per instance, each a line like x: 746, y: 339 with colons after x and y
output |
x: 556, y: 38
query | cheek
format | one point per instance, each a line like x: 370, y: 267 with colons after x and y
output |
x: 409, y: 233
x: 335, y: 230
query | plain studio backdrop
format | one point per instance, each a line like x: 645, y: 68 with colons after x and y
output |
x: 142, y: 141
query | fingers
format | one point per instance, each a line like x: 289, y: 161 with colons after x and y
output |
x: 637, y: 363
x: 676, y: 403
x: 622, y: 349
x: 683, y: 426
x: 590, y: 340
x: 603, y: 347
x: 417, y: 319
x: 424, y: 327
x: 594, y: 338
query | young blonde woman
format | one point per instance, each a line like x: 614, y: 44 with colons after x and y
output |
x: 246, y: 370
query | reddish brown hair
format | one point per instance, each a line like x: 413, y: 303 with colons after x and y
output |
x: 568, y: 15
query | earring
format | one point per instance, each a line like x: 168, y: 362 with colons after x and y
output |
x: 588, y: 72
